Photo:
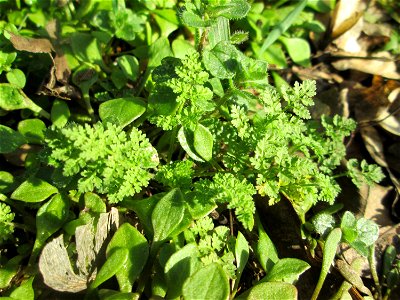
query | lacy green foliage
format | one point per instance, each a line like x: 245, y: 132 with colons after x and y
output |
x: 364, y: 173
x: 180, y: 96
x: 176, y: 174
x: 214, y: 244
x: 102, y: 158
x: 290, y: 153
x: 228, y: 188
x: 6, y: 222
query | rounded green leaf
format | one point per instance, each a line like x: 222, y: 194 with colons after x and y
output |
x: 167, y: 214
x: 6, y: 182
x: 51, y: 216
x: 179, y: 267
x: 129, y: 66
x: 186, y: 139
x: 94, y: 203
x: 235, y: 9
x: 122, y: 111
x: 13, y: 98
x: 86, y: 48
x: 59, y: 113
x: 24, y: 291
x: 222, y: 60
x: 16, y: 77
x: 9, y: 270
x: 203, y: 142
x: 113, y: 264
x: 114, y: 295
x: 271, y: 291
x: 130, y: 238
x: 330, y: 248
x: 298, y: 49
x: 210, y: 282
x: 10, y: 139
x: 33, y: 190
x: 287, y: 270
x: 265, y: 251
x: 242, y: 251
x: 33, y: 130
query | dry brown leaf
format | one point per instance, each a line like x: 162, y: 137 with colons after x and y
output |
x: 375, y: 208
x: 55, y: 264
x: 62, y: 70
x: 390, y: 235
x: 382, y: 64
x: 32, y: 45
x: 351, y: 275
x: 374, y: 144
x: 345, y: 16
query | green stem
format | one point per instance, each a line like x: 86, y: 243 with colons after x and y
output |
x: 387, y: 294
x: 148, y: 33
x: 372, y: 266
x: 148, y: 267
x: 172, y: 144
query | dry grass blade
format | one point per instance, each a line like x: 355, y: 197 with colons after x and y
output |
x: 22, y: 43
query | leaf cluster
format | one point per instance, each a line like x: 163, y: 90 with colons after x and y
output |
x: 101, y: 158
x: 6, y: 222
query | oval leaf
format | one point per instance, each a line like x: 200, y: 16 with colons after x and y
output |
x: 180, y: 266
x: 266, y: 252
x: 60, y: 113
x: 298, y: 49
x: 112, y: 265
x: 242, y: 251
x: 287, y: 270
x: 24, y: 291
x: 51, y: 216
x: 130, y: 238
x: 210, y: 282
x: 122, y: 111
x: 13, y: 98
x: 203, y: 142
x: 16, y: 77
x: 10, y: 139
x: 167, y: 214
x: 271, y: 291
x: 222, y: 60
x: 331, y: 244
x: 186, y: 139
x: 33, y: 130
x: 34, y: 190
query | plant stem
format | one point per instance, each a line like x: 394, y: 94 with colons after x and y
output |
x: 172, y: 144
x: 372, y: 266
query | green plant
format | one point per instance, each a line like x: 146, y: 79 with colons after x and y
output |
x: 6, y: 220
x: 102, y: 158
